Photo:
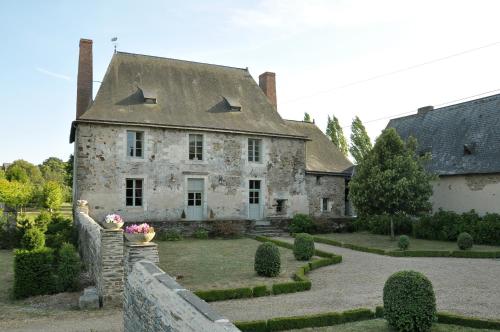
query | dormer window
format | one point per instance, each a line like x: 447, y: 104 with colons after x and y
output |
x: 149, y: 96
x: 233, y: 103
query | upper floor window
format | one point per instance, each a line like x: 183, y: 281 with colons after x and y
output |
x: 195, y: 147
x: 135, y: 144
x: 133, y: 192
x: 254, y: 149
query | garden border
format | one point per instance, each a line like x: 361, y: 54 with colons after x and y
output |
x: 410, y: 253
x: 300, y: 281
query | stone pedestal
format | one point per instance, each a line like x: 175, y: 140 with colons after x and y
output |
x: 135, y: 252
x: 112, y: 266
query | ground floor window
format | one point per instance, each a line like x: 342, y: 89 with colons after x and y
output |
x: 324, y: 204
x: 133, y: 192
x: 281, y: 206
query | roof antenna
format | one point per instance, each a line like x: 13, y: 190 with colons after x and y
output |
x: 114, y: 40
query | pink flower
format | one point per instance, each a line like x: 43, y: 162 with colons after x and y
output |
x: 139, y: 229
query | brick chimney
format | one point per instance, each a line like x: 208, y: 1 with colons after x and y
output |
x: 267, y: 82
x: 84, y: 81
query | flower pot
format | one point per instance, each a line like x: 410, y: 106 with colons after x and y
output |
x: 112, y: 225
x: 139, y: 237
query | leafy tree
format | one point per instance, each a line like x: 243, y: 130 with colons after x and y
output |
x: 54, y: 169
x: 15, y: 194
x: 307, y: 117
x: 360, y: 141
x: 336, y: 134
x: 69, y: 171
x: 391, y: 179
x: 53, y: 195
x: 23, y: 171
x: 2, y: 174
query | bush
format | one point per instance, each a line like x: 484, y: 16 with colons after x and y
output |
x: 381, y: 224
x: 267, y: 260
x: 33, y: 239
x: 303, y: 247
x: 464, y: 241
x: 68, y: 268
x: 259, y: 291
x: 409, y: 301
x: 403, y: 242
x: 291, y: 287
x: 60, y: 230
x: 170, y: 235
x: 225, y: 294
x: 200, y: 233
x: 252, y: 326
x: 225, y: 229
x: 301, y: 223
x: 33, y: 272
x: 10, y: 235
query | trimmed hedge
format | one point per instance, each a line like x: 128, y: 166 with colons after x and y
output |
x: 403, y: 242
x: 464, y: 241
x: 267, y: 260
x: 261, y: 290
x: 291, y: 287
x: 252, y: 326
x: 68, y: 268
x: 447, y: 318
x: 225, y: 294
x: 33, y: 272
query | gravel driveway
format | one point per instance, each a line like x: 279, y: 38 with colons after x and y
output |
x: 464, y: 286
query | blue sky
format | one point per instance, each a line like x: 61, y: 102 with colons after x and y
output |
x: 313, y: 46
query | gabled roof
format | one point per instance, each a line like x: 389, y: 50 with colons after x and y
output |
x: 188, y: 95
x: 322, y: 156
x: 462, y: 138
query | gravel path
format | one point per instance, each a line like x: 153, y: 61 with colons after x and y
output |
x: 464, y: 286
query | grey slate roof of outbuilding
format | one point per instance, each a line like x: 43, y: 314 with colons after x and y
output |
x: 445, y: 131
x: 322, y: 156
x: 188, y: 95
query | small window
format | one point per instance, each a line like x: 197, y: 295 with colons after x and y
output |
x: 233, y: 103
x: 195, y: 147
x: 468, y: 149
x: 254, y: 150
x: 280, y: 206
x: 133, y: 192
x: 135, y: 144
x: 324, y: 204
x: 318, y: 180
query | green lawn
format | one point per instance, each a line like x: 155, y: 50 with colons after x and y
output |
x: 66, y: 210
x: 384, y: 242
x: 380, y: 325
x: 6, y: 274
x: 217, y: 264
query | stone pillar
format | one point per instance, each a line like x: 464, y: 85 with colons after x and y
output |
x: 112, y: 267
x: 135, y: 252
x: 82, y: 206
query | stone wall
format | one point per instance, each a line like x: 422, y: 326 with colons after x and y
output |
x: 101, y: 251
x: 153, y: 301
x: 326, y: 186
x: 188, y: 227
x: 102, y: 167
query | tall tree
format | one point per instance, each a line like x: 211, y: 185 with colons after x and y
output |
x: 54, y: 169
x: 69, y: 170
x: 360, y: 141
x: 307, y: 117
x: 53, y: 195
x: 15, y: 194
x: 23, y: 171
x: 391, y: 179
x: 336, y: 134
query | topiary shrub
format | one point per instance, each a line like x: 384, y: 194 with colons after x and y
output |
x: 464, y: 241
x: 267, y: 260
x: 409, y: 302
x: 33, y: 272
x: 301, y: 223
x: 33, y: 239
x: 403, y: 242
x: 68, y: 268
x: 303, y: 247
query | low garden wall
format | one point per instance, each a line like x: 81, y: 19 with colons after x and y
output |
x: 153, y: 301
x: 188, y: 227
x: 321, y: 225
x: 101, y: 251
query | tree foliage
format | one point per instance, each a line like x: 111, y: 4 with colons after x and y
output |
x: 307, y: 117
x: 391, y: 179
x: 336, y: 134
x: 54, y: 169
x: 15, y: 194
x: 25, y: 172
x: 53, y: 195
x: 360, y: 141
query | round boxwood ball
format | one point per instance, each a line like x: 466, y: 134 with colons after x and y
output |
x: 464, y: 241
x: 267, y: 260
x: 303, y: 247
x: 409, y: 302
x: 33, y: 239
x: 403, y: 242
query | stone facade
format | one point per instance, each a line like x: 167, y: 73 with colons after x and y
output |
x: 138, y: 252
x: 326, y: 189
x: 101, y: 251
x: 102, y: 167
x: 153, y: 301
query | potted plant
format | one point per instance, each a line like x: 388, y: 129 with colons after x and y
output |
x: 113, y: 221
x: 142, y: 233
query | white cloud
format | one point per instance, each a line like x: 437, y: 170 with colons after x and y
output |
x: 52, y: 74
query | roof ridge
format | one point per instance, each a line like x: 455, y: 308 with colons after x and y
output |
x: 181, y: 60
x: 302, y: 121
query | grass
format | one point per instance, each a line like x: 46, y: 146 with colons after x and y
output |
x: 384, y: 242
x: 6, y: 274
x: 380, y: 325
x: 66, y: 210
x: 219, y: 264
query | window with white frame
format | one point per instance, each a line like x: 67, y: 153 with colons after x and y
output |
x: 254, y: 150
x: 133, y: 192
x: 324, y: 204
x: 135, y: 144
x: 195, y: 147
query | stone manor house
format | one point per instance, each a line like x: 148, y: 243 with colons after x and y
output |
x: 168, y: 139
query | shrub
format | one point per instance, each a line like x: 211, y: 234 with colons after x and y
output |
x: 225, y: 229
x: 10, y: 235
x: 488, y: 230
x: 170, y: 235
x: 60, y: 230
x: 33, y: 272
x: 301, y: 223
x: 252, y: 326
x: 68, y: 268
x: 291, y: 287
x: 303, y: 247
x: 200, y: 233
x: 403, y: 242
x: 267, y: 260
x: 33, y: 239
x: 381, y: 224
x: 261, y: 290
x: 43, y: 220
x: 225, y: 294
x: 464, y: 241
x: 409, y: 301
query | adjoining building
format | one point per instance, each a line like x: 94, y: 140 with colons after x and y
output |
x: 168, y: 140
x: 464, y: 143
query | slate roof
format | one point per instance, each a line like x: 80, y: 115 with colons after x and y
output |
x: 188, y: 95
x: 322, y: 156
x: 445, y: 132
